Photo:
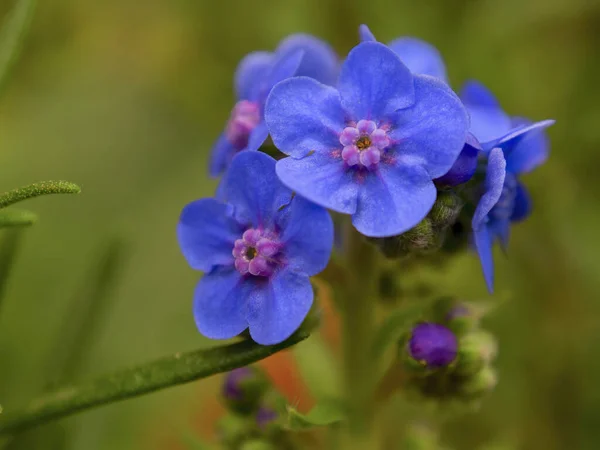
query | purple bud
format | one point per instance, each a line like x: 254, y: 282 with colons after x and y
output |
x: 433, y: 344
x: 465, y: 165
x: 264, y: 416
x: 244, y: 388
x: 232, y: 387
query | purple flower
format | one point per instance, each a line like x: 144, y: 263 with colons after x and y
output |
x: 433, y: 344
x: 257, y: 73
x: 419, y: 56
x: 515, y: 146
x: 258, y: 245
x: 371, y: 147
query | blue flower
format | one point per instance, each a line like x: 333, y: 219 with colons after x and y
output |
x: 371, y: 147
x: 432, y: 344
x: 419, y: 56
x: 258, y: 245
x: 515, y: 146
x: 257, y: 73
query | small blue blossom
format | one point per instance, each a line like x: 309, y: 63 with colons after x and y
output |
x: 515, y: 146
x: 258, y: 245
x: 257, y: 73
x: 432, y: 344
x: 371, y: 147
x: 419, y: 56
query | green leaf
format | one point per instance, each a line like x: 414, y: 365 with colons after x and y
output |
x: 12, y: 35
x: 326, y: 412
x: 394, y: 326
x: 17, y: 218
x: 163, y: 373
x: 37, y: 189
x: 8, y: 250
x: 317, y: 367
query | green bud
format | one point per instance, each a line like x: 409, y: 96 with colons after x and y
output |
x: 234, y: 429
x: 244, y: 389
x: 446, y: 209
x: 475, y: 351
x: 462, y: 318
x: 420, y: 238
x: 480, y: 384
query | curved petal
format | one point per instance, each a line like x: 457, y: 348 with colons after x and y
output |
x: 220, y: 304
x: 494, y: 182
x: 277, y: 308
x: 420, y: 57
x: 319, y: 62
x: 525, y: 147
x: 393, y: 200
x: 523, y: 204
x: 254, y: 190
x: 220, y: 156
x: 308, y: 237
x: 285, y: 66
x: 500, y: 229
x: 463, y: 168
x: 206, y: 232
x: 365, y: 34
x: 322, y: 179
x: 374, y: 82
x: 483, y: 245
x: 488, y: 120
x: 257, y: 137
x: 434, y: 130
x: 250, y: 73
x: 304, y: 115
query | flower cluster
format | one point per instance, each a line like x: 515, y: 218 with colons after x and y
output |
x: 378, y: 135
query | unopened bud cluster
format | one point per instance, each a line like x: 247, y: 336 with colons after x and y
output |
x: 450, y: 358
x: 254, y: 409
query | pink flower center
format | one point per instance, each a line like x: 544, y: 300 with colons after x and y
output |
x: 363, y: 144
x: 257, y: 252
x: 244, y: 118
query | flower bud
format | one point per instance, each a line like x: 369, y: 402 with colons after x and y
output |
x: 234, y: 429
x: 432, y: 345
x: 445, y: 210
x: 480, y: 384
x: 244, y: 389
x: 475, y: 351
x: 462, y: 318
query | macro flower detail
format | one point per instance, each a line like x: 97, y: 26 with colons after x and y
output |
x: 419, y: 56
x: 258, y: 245
x: 257, y: 73
x: 371, y: 147
x: 433, y: 344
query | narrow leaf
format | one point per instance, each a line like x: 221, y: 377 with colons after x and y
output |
x: 8, y: 250
x: 394, y: 326
x: 37, y: 189
x: 12, y: 35
x: 327, y: 412
x: 163, y: 373
x: 16, y: 218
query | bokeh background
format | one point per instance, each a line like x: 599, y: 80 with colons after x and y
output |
x: 126, y: 97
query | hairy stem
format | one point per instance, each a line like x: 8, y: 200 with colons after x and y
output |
x: 168, y: 371
x: 37, y: 189
x: 358, y: 318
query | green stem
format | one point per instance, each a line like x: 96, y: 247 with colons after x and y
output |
x: 169, y: 371
x: 358, y: 320
x: 37, y: 189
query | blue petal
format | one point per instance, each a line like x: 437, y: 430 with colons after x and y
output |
x: 420, y: 57
x: 220, y: 303
x: 206, y: 232
x: 464, y: 167
x: 500, y: 229
x: 319, y: 62
x: 308, y: 237
x: 483, y: 245
x: 525, y: 147
x: 434, y: 130
x: 304, y: 115
x: 285, y: 66
x: 254, y: 190
x: 494, y: 182
x: 374, y: 82
x: 523, y: 204
x: 393, y: 200
x: 322, y: 179
x: 257, y: 137
x: 365, y: 34
x: 488, y: 120
x: 251, y: 72
x: 220, y: 156
x: 277, y: 309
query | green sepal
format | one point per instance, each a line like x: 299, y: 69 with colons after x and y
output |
x: 325, y: 413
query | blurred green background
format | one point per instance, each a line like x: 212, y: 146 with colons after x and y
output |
x: 126, y: 97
